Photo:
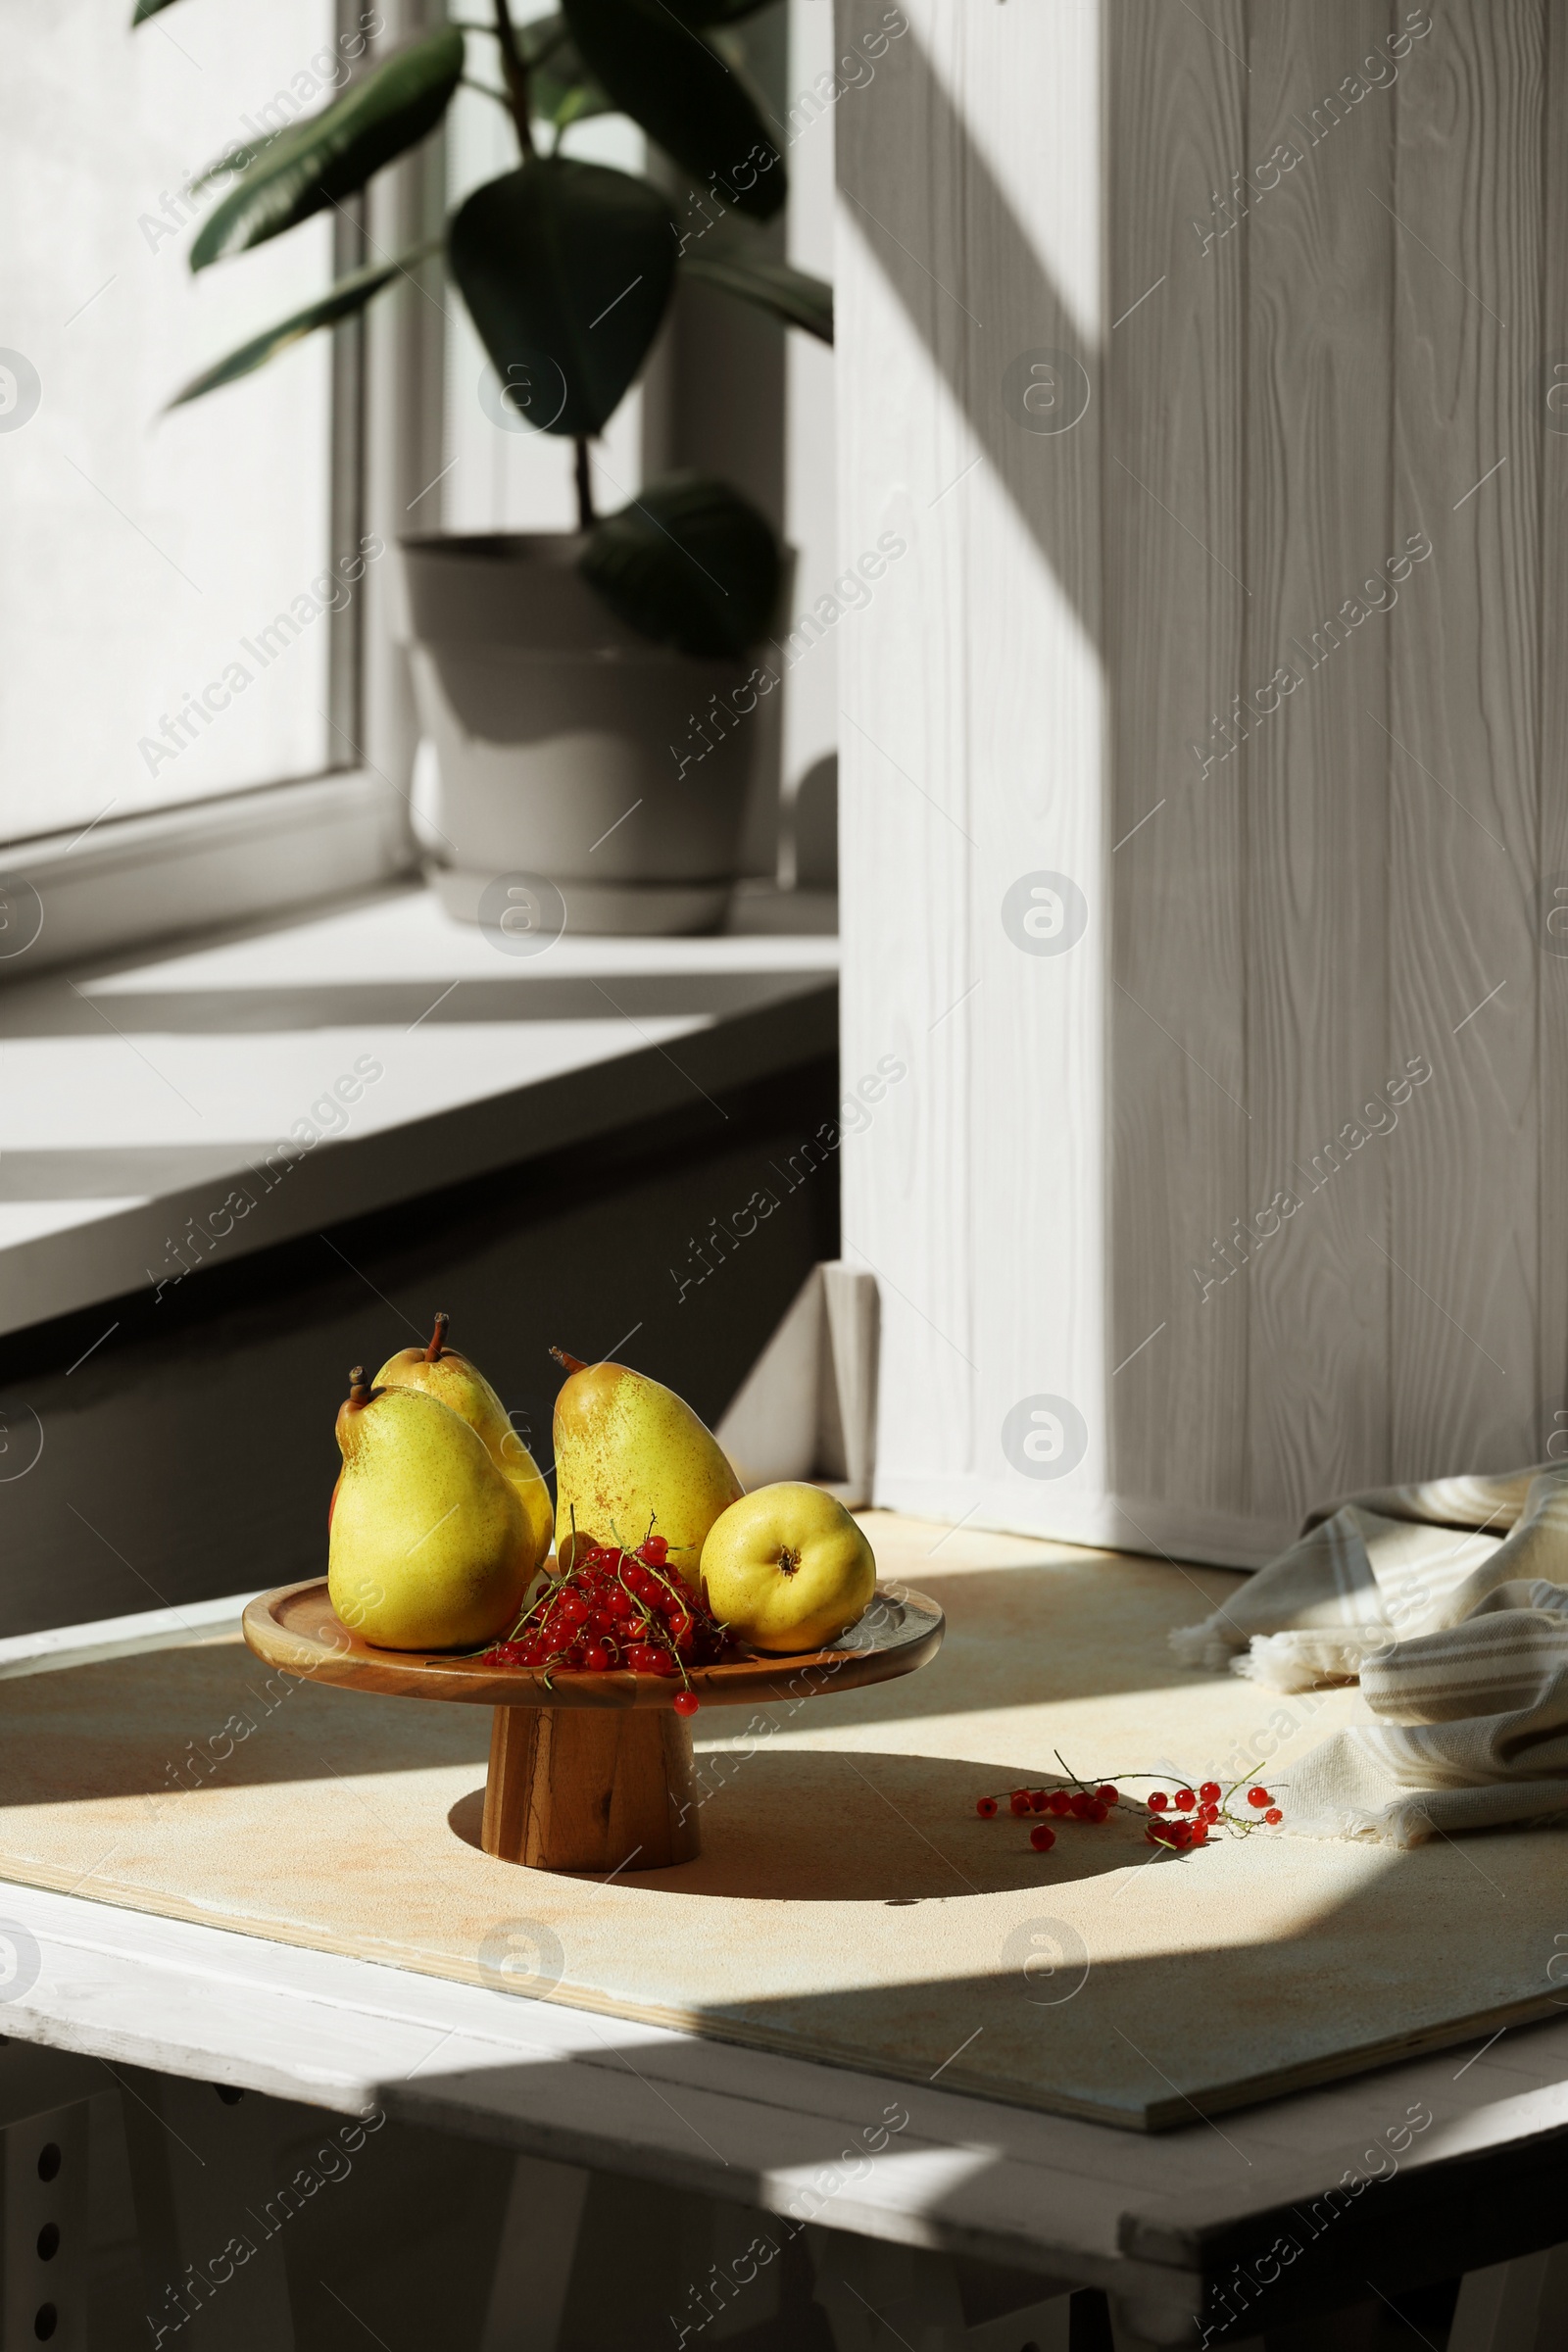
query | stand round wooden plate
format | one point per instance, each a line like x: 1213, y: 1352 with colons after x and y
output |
x: 596, y: 1772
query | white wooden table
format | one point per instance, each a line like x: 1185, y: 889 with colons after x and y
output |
x: 898, y: 2185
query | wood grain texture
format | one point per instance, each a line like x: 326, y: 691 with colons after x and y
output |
x: 1465, y: 771
x: 295, y: 1629
x: 1175, y: 629
x: 579, y: 1788
x: 1549, y: 427
x: 1319, y: 519
x: 1303, y: 253
x: 973, y: 750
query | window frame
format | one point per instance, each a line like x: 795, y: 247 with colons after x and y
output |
x: 270, y: 846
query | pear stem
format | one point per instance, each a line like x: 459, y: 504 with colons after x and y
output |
x: 432, y: 1354
x: 359, y: 1393
x: 572, y: 1363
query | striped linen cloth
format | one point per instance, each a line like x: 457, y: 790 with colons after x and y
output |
x: 1449, y: 1603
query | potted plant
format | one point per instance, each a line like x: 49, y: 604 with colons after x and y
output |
x: 559, y: 674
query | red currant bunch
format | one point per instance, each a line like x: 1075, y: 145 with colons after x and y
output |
x: 1080, y: 1803
x: 1179, y: 1817
x: 615, y: 1610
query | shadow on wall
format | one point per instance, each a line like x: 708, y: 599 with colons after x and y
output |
x: 193, y: 1455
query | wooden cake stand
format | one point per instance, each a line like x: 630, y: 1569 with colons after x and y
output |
x: 596, y: 1772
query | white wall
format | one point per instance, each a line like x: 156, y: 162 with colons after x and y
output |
x: 1273, y: 905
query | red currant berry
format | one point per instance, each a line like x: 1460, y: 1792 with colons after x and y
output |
x: 595, y: 1658
x: 1208, y: 1812
x: 1179, y: 1832
x: 1080, y: 1805
x: 1042, y: 1837
x: 1200, y: 1832
x: 986, y: 1806
x: 1039, y: 1801
x: 1018, y: 1802
x: 1210, y: 1792
x: 664, y: 1661
x: 1185, y: 1799
x: 1259, y: 1798
x: 685, y: 1702
x: 1105, y: 1795
x: 1273, y: 1814
x: 1095, y: 1811
x: 656, y: 1550
x: 1060, y: 1801
x: 1157, y: 1800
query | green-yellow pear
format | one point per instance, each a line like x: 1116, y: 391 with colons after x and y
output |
x: 632, y: 1459
x: 786, y: 1568
x: 460, y: 1386
x: 429, y: 1549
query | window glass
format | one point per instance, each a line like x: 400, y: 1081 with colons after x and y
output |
x: 162, y: 598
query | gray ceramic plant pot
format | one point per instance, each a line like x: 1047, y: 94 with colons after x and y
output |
x: 571, y: 749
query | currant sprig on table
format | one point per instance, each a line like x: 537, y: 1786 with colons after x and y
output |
x: 615, y: 1609
x: 1181, y: 1817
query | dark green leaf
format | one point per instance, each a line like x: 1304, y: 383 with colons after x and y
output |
x: 567, y: 269
x: 234, y: 159
x: 690, y: 563
x: 680, y: 90
x: 575, y: 102
x: 713, y: 12
x: 793, y: 295
x: 541, y: 38
x: 560, y: 88
x: 333, y: 154
x: 147, y: 8
x: 349, y: 295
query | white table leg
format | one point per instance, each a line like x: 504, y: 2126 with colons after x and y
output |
x: 1136, y: 2330
x: 204, y: 2173
x: 533, y: 2261
x: 45, y: 2257
x: 878, y: 2297
x: 1517, y: 2305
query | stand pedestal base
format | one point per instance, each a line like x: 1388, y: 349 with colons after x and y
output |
x: 590, y: 1789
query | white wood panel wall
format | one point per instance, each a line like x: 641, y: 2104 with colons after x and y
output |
x: 1262, y: 651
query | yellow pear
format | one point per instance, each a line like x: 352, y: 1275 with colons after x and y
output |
x: 429, y: 1549
x: 786, y: 1569
x: 632, y: 1459
x: 445, y: 1373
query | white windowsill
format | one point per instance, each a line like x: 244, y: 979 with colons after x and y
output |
x: 108, y: 887
x: 141, y: 1104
